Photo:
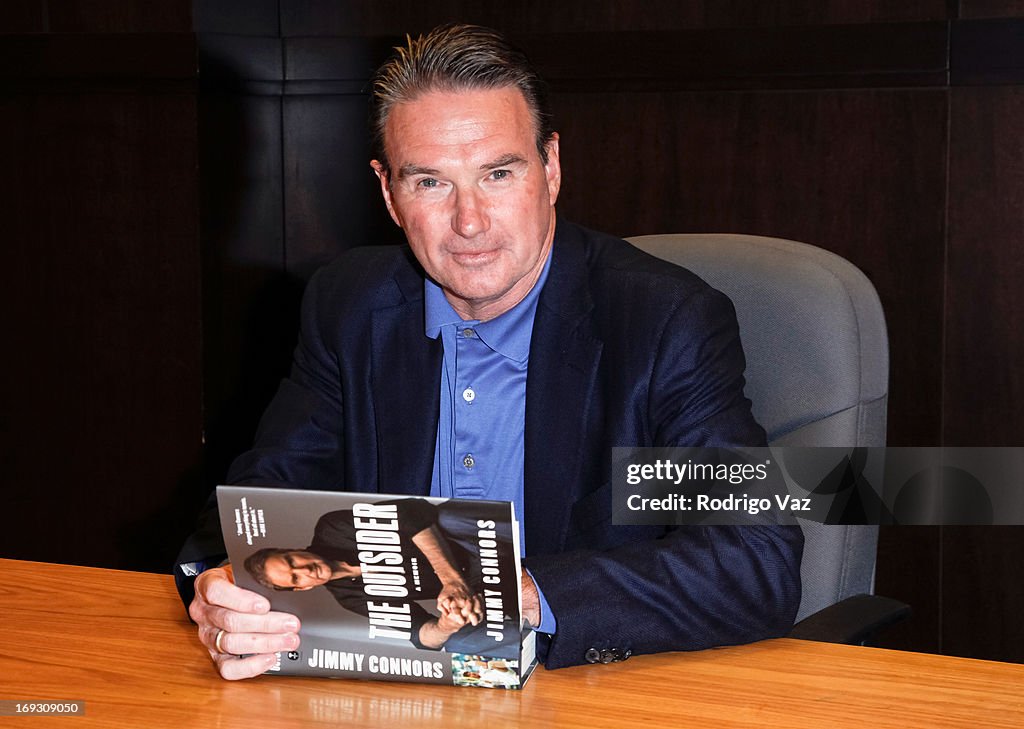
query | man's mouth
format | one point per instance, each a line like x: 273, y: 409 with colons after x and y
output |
x: 475, y: 258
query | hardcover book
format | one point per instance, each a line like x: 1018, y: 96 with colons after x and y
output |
x: 397, y: 588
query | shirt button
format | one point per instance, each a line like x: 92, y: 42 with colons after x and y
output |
x: 468, y: 461
x: 468, y: 333
x: 468, y: 394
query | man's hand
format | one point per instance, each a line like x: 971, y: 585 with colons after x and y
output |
x: 250, y: 628
x: 531, y: 601
x: 436, y: 631
x: 457, y: 599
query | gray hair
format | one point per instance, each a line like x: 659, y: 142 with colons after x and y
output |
x: 456, y: 58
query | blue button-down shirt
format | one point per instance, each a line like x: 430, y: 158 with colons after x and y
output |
x: 479, y: 449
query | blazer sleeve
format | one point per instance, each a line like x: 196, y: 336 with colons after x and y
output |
x: 654, y: 589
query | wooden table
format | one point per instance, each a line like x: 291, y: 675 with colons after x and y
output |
x: 120, y: 641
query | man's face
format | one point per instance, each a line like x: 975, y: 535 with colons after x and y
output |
x: 297, y: 570
x: 469, y: 188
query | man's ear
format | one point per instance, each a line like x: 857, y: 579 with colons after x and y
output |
x: 385, y: 189
x: 553, y: 168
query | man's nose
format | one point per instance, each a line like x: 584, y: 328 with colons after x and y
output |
x: 470, y: 216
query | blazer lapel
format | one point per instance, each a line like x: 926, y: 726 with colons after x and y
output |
x: 561, y: 380
x: 406, y: 370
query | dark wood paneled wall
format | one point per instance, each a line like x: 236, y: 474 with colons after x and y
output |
x: 101, y: 390
x: 887, y: 132
x: 983, y: 366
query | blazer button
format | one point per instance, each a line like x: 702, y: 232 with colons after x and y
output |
x: 608, y: 655
x: 593, y: 655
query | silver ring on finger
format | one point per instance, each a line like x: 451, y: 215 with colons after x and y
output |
x: 216, y: 642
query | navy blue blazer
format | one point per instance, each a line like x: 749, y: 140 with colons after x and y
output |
x: 627, y: 350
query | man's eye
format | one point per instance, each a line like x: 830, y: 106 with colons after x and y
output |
x: 500, y: 174
x: 427, y: 182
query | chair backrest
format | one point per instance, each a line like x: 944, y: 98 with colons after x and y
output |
x: 817, y: 373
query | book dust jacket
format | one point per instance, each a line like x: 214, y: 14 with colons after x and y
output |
x: 396, y: 588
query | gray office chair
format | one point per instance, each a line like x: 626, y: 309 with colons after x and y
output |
x: 818, y: 375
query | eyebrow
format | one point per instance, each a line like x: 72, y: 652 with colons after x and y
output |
x: 504, y: 161
x: 290, y: 561
x: 410, y: 170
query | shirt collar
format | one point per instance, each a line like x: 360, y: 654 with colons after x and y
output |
x: 508, y: 334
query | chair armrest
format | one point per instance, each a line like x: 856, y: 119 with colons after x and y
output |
x: 852, y: 621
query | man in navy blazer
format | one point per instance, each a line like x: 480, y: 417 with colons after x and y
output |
x: 626, y: 350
